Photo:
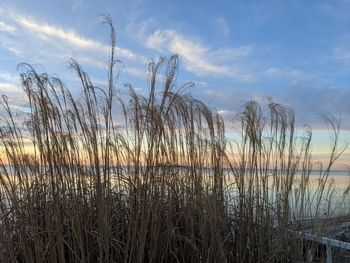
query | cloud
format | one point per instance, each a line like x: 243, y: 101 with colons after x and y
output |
x: 309, y: 102
x: 6, y: 27
x: 53, y: 33
x: 16, y: 98
x: 140, y: 73
x: 342, y: 53
x: 13, y: 92
x: 228, y: 54
x: 27, y: 37
x: 76, y: 4
x: 9, y: 77
x: 45, y: 41
x: 198, y: 58
x: 284, y: 73
x: 274, y: 72
x: 312, y: 101
x: 8, y: 87
x: 14, y: 50
x: 223, y: 26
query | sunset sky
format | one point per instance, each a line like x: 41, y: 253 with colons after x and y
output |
x: 295, y: 52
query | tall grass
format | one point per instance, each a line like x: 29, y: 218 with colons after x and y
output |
x: 163, y: 185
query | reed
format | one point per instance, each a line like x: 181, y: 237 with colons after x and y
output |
x: 163, y: 185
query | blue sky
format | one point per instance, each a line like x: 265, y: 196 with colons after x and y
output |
x: 296, y: 52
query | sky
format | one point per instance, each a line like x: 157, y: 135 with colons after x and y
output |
x: 294, y: 52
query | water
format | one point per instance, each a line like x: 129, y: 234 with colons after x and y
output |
x: 332, y: 202
x: 305, y: 201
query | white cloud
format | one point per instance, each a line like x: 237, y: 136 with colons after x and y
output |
x: 62, y: 41
x: 140, y: 73
x: 198, y: 58
x: 284, y: 73
x: 273, y: 71
x: 53, y: 32
x: 14, y: 50
x: 342, y: 53
x: 15, y: 94
x: 229, y: 54
x: 8, y: 87
x: 223, y: 26
x: 9, y: 43
x: 6, y: 27
x: 226, y: 113
x: 76, y: 4
x: 92, y: 62
x: 7, y: 76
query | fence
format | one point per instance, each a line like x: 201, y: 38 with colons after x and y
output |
x: 328, y: 242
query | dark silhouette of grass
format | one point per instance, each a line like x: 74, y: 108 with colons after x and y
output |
x: 166, y: 185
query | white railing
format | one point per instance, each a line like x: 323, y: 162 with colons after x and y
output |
x: 328, y: 242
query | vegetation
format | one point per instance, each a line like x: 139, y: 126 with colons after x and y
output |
x: 163, y: 185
